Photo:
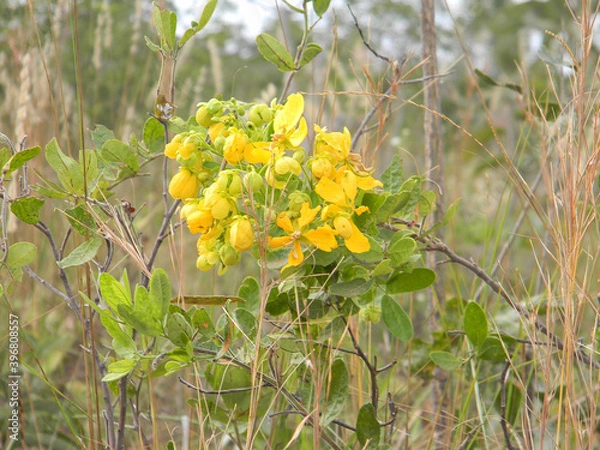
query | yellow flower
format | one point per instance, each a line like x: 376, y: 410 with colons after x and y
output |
x: 241, y: 234
x: 184, y: 184
x: 298, y: 232
x: 235, y: 147
x: 335, y: 146
x: 289, y: 127
x: 200, y: 220
x: 322, y: 167
x: 354, y: 239
x: 172, y: 148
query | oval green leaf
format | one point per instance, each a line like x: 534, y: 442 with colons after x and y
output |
x: 367, y: 425
x: 475, y: 324
x: 274, y: 52
x: 445, y: 360
x: 419, y: 278
x: 396, y: 320
x: 27, y: 209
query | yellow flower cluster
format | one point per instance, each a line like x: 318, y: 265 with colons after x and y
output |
x: 243, y: 164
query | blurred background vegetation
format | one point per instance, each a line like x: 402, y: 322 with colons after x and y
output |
x: 506, y: 40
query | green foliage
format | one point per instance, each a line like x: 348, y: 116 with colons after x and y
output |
x: 82, y: 254
x: 274, y: 52
x: 475, y: 324
x: 395, y: 319
x: 368, y: 429
x: 27, y: 209
x: 445, y: 360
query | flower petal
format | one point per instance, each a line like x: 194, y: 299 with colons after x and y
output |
x: 357, y: 243
x: 296, y: 138
x: 307, y: 215
x: 280, y: 241
x: 331, y: 192
x: 295, y: 257
x: 323, y: 238
x: 284, y: 222
x: 368, y: 183
x: 349, y: 184
x: 287, y: 117
x: 258, y: 152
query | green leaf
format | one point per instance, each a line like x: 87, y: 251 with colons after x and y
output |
x: 250, y: 292
x: 419, y: 278
x: 475, y: 324
x: 151, y: 45
x: 352, y: 288
x: 246, y: 323
x: 67, y: 169
x: 167, y: 28
x: 122, y: 366
x: 82, y: 254
x: 321, y: 6
x: 393, y: 177
x: 367, y: 426
x: 445, y: 360
x: 310, y: 52
x: 396, y: 320
x: 81, y: 220
x: 383, y: 268
x: 114, y: 150
x: 373, y: 256
x: 20, y: 158
x: 274, y: 52
x: 489, y: 80
x: 401, y: 250
x: 160, y: 294
x: 338, y: 392
x: 178, y: 330
x: 123, y: 343
x: 20, y: 254
x: 140, y: 321
x: 100, y: 135
x: 207, y: 13
x: 277, y: 304
x: 492, y: 349
x: 27, y: 209
x: 448, y: 215
x: 427, y: 203
x: 154, y: 135
x: 5, y: 155
x: 113, y: 292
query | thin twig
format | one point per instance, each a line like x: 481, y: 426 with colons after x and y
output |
x: 45, y: 283
x: 504, y: 422
x: 61, y: 273
x: 223, y: 391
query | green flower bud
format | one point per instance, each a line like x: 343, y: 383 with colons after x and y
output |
x: 253, y: 182
x: 260, y: 114
x: 204, y: 117
x: 297, y: 199
x: 370, y: 313
x: 300, y: 156
x: 229, y: 255
x: 214, y: 107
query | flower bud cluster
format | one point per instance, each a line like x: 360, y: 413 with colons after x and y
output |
x: 244, y: 179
